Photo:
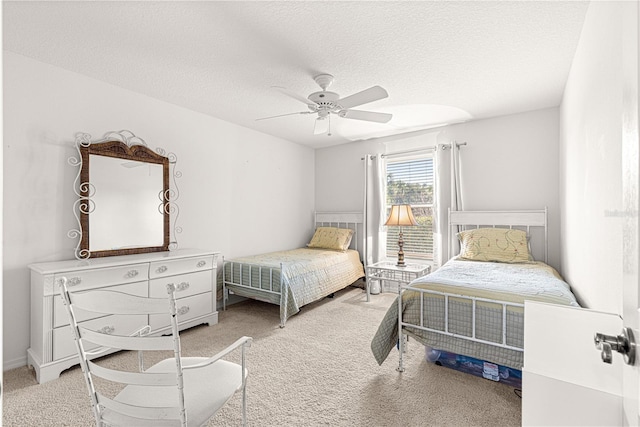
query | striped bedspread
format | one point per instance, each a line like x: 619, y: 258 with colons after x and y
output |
x: 308, y: 275
x: 497, y: 281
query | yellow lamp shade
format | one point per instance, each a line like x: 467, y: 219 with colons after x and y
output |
x: 401, y: 215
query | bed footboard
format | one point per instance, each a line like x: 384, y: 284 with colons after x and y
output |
x: 478, y: 315
x: 255, y: 281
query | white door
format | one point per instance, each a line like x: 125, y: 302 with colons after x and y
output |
x: 630, y: 304
x: 565, y: 382
x: 631, y: 200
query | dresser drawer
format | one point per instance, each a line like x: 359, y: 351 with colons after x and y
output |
x: 188, y: 308
x: 172, y: 267
x: 64, y: 341
x: 101, y: 277
x: 186, y: 284
x: 61, y: 318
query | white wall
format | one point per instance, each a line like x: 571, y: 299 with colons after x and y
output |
x: 591, y: 161
x: 235, y: 192
x: 509, y: 162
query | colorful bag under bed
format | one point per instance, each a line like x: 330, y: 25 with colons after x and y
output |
x: 480, y: 368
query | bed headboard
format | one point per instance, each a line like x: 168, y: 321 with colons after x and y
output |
x: 534, y: 222
x: 351, y: 220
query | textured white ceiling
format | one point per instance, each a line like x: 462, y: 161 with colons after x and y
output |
x: 440, y: 61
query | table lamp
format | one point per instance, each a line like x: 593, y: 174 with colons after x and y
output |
x: 401, y: 216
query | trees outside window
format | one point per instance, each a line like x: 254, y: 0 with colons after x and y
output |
x: 410, y: 181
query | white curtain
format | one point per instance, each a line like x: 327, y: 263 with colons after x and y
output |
x: 374, y: 202
x: 448, y: 195
x: 456, y: 193
x: 440, y: 202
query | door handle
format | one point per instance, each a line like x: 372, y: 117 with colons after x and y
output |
x: 624, y: 344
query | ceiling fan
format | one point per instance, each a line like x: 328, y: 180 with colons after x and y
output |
x: 325, y: 103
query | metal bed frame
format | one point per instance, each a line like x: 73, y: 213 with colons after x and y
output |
x: 463, y: 220
x: 351, y: 220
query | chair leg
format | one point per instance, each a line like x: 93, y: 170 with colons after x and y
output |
x: 244, y: 405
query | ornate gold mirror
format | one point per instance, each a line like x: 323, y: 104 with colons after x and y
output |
x: 124, y: 196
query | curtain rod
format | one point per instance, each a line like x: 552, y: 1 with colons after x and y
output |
x: 448, y: 146
x: 400, y: 153
x: 425, y: 149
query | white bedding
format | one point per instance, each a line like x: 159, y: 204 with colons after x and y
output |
x: 496, y: 281
x: 307, y: 275
x: 502, y: 281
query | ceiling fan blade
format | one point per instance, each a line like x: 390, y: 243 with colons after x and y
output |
x: 369, y: 116
x: 292, y: 95
x: 321, y: 126
x: 368, y: 95
x: 282, y: 115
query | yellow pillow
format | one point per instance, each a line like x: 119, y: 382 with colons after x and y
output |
x: 333, y: 238
x: 494, y: 244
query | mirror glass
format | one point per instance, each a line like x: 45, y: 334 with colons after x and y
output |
x: 127, y: 204
x: 123, y: 204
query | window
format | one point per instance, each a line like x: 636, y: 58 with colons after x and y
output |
x: 410, y: 180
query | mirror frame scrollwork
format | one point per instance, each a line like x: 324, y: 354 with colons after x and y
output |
x: 121, y: 145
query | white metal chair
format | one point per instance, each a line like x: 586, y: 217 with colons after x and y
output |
x: 184, y: 391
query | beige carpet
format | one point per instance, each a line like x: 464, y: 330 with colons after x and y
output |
x: 318, y: 371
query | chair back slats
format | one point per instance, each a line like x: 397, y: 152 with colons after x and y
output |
x: 112, y: 302
x: 127, y: 342
x: 140, y: 413
x: 134, y: 378
x: 153, y: 396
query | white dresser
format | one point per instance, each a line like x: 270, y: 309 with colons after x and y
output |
x: 52, y: 347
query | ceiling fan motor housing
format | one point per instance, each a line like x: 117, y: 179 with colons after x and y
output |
x: 325, y: 100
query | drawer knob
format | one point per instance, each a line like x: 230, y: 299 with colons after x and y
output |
x: 182, y: 286
x: 161, y: 269
x: 201, y: 263
x: 183, y: 310
x: 132, y: 273
x: 74, y: 281
x: 107, y: 330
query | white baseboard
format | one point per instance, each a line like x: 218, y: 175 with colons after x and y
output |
x: 15, y: 363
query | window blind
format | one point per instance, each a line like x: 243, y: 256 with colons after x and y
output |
x: 411, y: 181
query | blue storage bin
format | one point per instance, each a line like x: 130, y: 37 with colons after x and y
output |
x: 480, y: 368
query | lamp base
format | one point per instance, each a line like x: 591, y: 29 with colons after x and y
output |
x: 400, y: 262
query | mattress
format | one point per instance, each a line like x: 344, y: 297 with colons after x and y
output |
x: 513, y: 283
x: 307, y: 275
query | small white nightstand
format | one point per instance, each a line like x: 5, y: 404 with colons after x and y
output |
x: 388, y: 271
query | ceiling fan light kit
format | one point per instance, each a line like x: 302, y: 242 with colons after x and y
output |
x: 324, y: 103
